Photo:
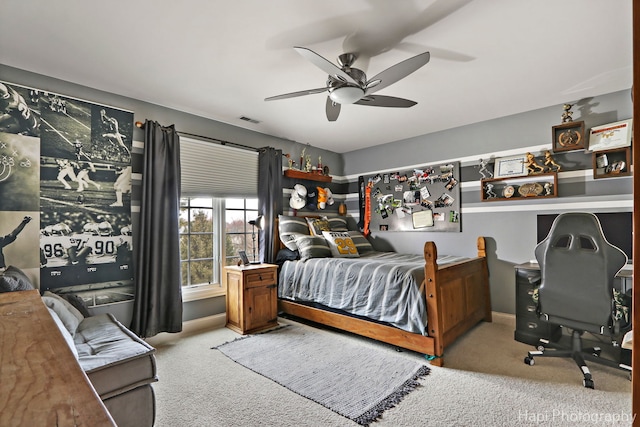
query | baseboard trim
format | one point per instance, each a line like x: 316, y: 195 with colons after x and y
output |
x: 503, y: 318
x: 190, y: 327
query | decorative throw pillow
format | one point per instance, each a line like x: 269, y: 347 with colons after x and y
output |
x: 338, y: 224
x: 13, y: 279
x: 312, y: 247
x: 78, y: 303
x: 64, y: 331
x: 318, y: 225
x: 291, y: 227
x: 69, y: 320
x: 341, y: 244
x: 361, y: 242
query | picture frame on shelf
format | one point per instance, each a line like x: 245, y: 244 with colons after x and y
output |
x: 568, y: 137
x: 611, y: 136
x: 505, y: 167
x: 611, y: 163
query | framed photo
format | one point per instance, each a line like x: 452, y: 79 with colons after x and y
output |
x: 510, y: 166
x: 568, y: 136
x: 611, y: 163
x: 243, y: 257
x: 613, y: 135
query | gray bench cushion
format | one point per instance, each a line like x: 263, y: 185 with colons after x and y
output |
x: 114, y: 358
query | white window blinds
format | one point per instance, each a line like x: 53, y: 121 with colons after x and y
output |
x: 209, y: 168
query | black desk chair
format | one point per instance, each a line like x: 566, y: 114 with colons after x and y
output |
x: 578, y: 267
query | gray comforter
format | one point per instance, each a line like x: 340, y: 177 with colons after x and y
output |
x: 383, y: 286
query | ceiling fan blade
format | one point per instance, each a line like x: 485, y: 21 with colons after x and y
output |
x: 397, y: 72
x: 325, y: 65
x: 385, y: 101
x: 294, y: 94
x: 333, y: 110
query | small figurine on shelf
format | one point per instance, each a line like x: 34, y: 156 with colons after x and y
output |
x: 549, y: 162
x: 307, y: 164
x: 302, y: 158
x: 547, y: 188
x: 532, y: 165
x: 290, y: 160
x: 319, y: 165
x: 486, y: 173
x: 488, y: 190
x: 566, y: 114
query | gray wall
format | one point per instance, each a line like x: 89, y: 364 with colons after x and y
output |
x: 184, y: 122
x: 510, y: 226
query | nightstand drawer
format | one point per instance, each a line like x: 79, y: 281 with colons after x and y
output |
x: 260, y: 278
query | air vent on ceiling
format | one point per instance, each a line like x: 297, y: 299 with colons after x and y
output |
x: 249, y: 119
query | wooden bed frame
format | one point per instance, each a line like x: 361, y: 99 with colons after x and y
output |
x: 457, y: 299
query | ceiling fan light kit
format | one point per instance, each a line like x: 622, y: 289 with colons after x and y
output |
x: 347, y: 85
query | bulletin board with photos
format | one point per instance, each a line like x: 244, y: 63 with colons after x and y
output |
x: 419, y: 199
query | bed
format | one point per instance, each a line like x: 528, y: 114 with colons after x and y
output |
x: 424, y: 304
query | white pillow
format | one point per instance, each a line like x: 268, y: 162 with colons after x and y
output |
x: 65, y: 333
x: 341, y: 244
x: 69, y: 321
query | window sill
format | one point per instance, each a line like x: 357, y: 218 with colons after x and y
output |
x: 202, y: 292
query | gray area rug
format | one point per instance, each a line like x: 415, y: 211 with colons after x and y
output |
x: 355, y: 381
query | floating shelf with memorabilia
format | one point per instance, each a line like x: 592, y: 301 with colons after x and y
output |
x: 612, y: 163
x: 533, y: 186
x: 311, y: 176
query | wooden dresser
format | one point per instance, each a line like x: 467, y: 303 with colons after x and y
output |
x: 41, y: 382
x: 252, y: 297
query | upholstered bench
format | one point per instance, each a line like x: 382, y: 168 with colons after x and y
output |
x: 120, y: 366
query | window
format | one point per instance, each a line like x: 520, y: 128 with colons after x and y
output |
x: 210, y: 227
x: 240, y: 236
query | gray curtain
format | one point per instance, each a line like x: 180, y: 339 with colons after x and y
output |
x: 269, y: 198
x: 158, y: 299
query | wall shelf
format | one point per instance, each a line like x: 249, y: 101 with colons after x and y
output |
x: 296, y: 174
x: 533, y: 186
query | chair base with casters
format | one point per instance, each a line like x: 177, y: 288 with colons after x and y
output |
x: 578, y: 354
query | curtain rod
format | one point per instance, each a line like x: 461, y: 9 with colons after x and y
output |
x: 208, y: 138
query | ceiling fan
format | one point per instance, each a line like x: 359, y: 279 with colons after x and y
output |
x: 348, y: 85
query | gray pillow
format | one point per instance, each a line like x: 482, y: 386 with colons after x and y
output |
x: 65, y: 333
x: 312, y: 247
x: 338, y: 224
x: 290, y: 227
x: 361, y: 242
x: 13, y: 279
x: 69, y: 319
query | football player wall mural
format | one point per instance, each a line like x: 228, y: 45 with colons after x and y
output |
x: 66, y: 163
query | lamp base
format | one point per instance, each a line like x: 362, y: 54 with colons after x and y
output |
x: 255, y: 262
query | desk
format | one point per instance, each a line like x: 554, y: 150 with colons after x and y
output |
x: 529, y: 328
x: 42, y: 383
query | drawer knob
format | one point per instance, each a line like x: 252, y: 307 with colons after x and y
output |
x: 260, y: 277
x: 532, y: 325
x: 531, y: 308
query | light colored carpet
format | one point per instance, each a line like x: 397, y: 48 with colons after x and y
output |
x: 356, y: 381
x: 484, y: 383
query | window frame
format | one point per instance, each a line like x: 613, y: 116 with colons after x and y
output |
x: 219, y: 258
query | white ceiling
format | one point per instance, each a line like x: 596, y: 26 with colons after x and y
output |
x: 220, y: 58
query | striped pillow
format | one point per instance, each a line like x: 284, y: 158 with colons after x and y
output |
x: 361, y: 242
x: 312, y: 247
x: 341, y: 244
x: 338, y: 224
x: 318, y: 225
x: 290, y: 227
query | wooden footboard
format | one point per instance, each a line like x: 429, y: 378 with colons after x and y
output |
x: 457, y: 297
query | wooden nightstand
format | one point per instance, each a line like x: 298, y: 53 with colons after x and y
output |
x: 252, y: 297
